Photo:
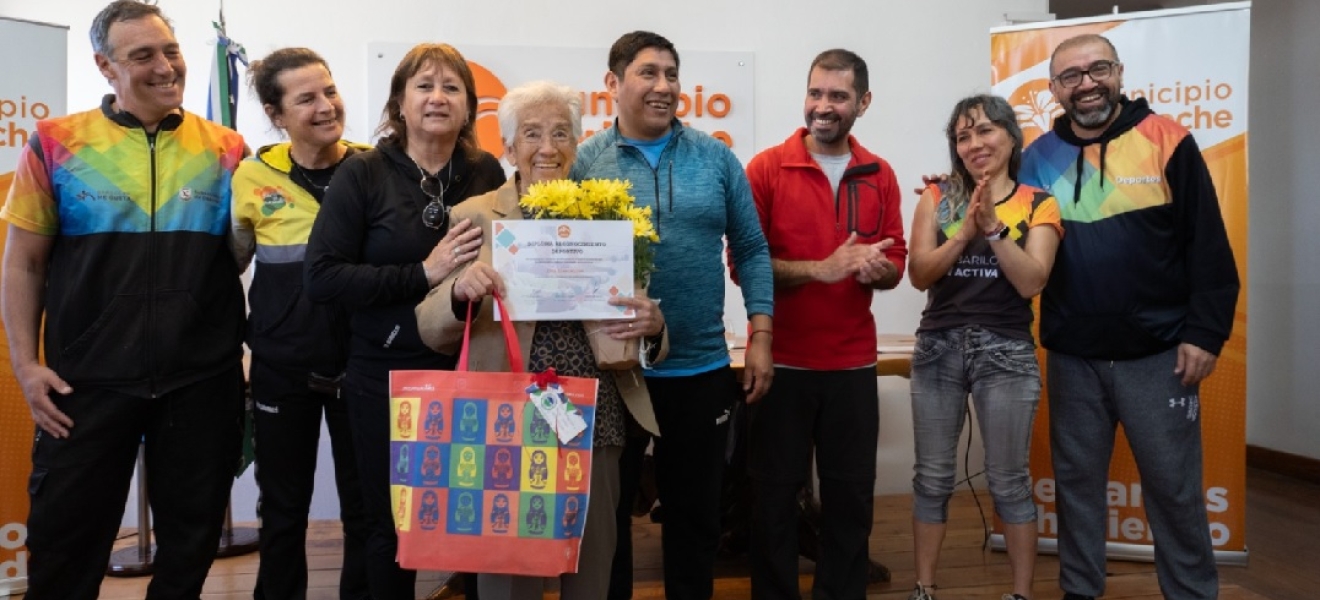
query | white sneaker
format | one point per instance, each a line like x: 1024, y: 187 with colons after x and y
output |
x: 920, y: 593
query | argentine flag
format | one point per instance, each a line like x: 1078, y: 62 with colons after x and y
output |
x: 222, y: 105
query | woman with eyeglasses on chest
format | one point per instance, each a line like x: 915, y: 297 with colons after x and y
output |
x: 382, y: 240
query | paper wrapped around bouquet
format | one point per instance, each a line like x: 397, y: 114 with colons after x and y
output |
x: 612, y: 354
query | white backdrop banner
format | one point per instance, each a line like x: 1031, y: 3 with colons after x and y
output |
x: 34, y: 60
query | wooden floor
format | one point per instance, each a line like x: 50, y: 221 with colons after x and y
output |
x: 1283, y: 537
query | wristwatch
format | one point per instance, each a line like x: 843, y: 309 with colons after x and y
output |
x: 1002, y: 234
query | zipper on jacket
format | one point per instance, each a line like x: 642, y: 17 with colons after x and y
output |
x: 655, y: 180
x: 655, y: 174
x: 671, y: 188
x: 151, y: 271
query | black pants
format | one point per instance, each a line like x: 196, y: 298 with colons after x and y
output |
x: 79, y: 485
x: 837, y: 413
x: 287, y: 423
x: 368, y: 403
x: 693, y: 414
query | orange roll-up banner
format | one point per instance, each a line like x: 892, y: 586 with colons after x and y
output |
x: 1191, y: 65
x: 33, y: 61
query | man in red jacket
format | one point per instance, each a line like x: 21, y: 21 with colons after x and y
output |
x: 830, y: 212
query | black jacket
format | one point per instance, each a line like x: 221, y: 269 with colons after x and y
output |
x: 366, y: 250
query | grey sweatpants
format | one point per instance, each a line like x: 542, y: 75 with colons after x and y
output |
x: 1161, y: 417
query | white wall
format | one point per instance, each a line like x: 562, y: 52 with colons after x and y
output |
x: 1283, y: 281
x: 923, y: 56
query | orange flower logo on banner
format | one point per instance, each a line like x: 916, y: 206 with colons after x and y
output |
x: 1035, y: 108
x: 490, y: 90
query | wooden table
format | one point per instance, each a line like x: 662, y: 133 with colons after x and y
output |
x: 893, y: 355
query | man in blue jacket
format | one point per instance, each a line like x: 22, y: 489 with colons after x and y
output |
x: 699, y: 195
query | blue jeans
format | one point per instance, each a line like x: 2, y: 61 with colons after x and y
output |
x: 1003, y: 378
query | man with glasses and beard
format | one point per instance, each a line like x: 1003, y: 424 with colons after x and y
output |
x: 830, y: 212
x: 1139, y: 304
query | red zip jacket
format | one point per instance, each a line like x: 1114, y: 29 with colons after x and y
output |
x: 824, y: 326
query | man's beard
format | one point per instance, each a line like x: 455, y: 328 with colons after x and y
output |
x: 842, y: 127
x: 1095, y: 117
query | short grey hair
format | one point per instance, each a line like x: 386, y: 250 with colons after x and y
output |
x: 538, y: 93
x: 118, y: 12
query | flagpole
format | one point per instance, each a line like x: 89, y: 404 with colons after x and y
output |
x: 233, y: 540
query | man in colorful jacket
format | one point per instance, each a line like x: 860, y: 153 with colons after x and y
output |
x: 830, y: 212
x: 699, y: 195
x: 1137, y: 308
x: 118, y: 219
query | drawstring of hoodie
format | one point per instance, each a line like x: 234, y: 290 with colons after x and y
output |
x: 1104, y: 147
x: 1131, y: 113
x: 1077, y: 181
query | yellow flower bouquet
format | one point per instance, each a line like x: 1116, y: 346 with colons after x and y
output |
x: 597, y: 200
x: 601, y: 200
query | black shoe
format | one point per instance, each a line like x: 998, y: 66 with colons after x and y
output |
x: 1072, y: 596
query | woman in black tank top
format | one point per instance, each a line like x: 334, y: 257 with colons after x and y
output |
x: 982, y: 246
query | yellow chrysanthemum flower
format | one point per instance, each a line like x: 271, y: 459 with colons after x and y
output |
x: 597, y: 199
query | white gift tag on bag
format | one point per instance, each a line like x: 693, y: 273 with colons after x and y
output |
x: 564, y: 419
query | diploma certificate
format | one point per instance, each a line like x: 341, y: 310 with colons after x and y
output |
x: 563, y: 270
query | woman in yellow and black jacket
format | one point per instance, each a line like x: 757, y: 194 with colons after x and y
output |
x: 299, y: 348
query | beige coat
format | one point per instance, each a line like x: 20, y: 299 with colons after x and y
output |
x: 443, y: 331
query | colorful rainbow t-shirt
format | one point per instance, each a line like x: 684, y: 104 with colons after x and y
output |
x: 975, y: 291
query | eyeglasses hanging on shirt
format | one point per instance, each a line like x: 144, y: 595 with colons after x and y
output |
x: 436, y: 213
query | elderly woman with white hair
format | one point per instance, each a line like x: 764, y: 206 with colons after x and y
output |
x: 540, y: 124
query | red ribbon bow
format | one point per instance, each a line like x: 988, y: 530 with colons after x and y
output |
x: 545, y: 378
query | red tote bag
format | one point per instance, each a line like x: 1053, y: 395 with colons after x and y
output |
x: 479, y: 482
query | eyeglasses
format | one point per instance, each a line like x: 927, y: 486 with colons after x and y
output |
x: 535, y: 137
x: 1099, y: 70
x: 436, y: 212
